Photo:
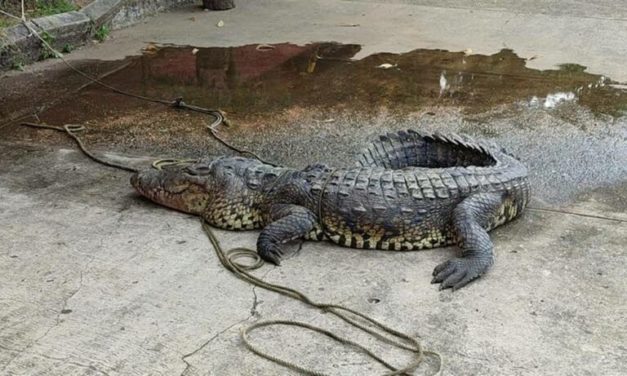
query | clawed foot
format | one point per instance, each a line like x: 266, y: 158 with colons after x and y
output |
x: 270, y: 253
x: 458, y: 272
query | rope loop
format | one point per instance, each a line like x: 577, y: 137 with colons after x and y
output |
x: 74, y: 128
x: 158, y: 164
x: 244, y: 253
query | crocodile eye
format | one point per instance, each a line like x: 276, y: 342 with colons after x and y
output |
x: 198, y: 170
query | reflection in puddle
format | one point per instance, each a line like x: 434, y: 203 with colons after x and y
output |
x: 552, y: 100
x: 257, y: 79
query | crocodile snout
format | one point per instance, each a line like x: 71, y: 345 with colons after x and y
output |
x: 146, y: 180
x: 135, y: 180
x: 171, y: 188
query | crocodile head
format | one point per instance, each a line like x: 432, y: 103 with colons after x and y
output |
x: 184, y: 188
x: 194, y: 188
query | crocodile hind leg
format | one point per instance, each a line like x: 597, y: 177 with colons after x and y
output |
x: 289, y: 222
x: 472, y: 218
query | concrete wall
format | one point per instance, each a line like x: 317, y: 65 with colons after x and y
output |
x: 18, y: 47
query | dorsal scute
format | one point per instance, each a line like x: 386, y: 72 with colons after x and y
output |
x: 411, y: 148
x: 482, y: 146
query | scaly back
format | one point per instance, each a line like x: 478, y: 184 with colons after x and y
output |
x: 413, y: 149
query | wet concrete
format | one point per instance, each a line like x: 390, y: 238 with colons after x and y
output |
x: 265, y: 79
x: 297, y: 96
x: 102, y: 282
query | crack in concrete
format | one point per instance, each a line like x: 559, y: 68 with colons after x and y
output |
x: 188, y: 365
x: 57, y: 320
x: 253, y: 313
x: 91, y: 258
x: 253, y: 310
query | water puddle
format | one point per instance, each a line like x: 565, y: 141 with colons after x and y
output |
x: 268, y: 86
x: 256, y: 79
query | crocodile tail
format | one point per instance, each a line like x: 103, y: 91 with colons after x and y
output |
x: 431, y: 150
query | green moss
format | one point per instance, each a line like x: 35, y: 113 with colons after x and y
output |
x: 102, y: 33
x: 46, y: 53
x: 6, y: 22
x: 18, y: 60
x: 38, y: 8
x: 52, y: 7
x: 17, y: 65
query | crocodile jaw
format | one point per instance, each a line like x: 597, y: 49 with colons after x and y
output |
x: 173, y: 189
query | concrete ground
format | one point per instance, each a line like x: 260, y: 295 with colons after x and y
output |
x: 97, y: 281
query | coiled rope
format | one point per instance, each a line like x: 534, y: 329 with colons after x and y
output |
x: 403, y: 341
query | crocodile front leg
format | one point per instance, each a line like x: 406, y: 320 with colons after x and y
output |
x: 289, y: 222
x: 471, y: 220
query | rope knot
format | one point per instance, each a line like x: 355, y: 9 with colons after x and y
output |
x: 178, y: 102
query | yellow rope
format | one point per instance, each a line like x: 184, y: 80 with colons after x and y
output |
x: 71, y: 130
x: 403, y: 341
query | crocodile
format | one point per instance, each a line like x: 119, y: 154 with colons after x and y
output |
x: 409, y: 191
